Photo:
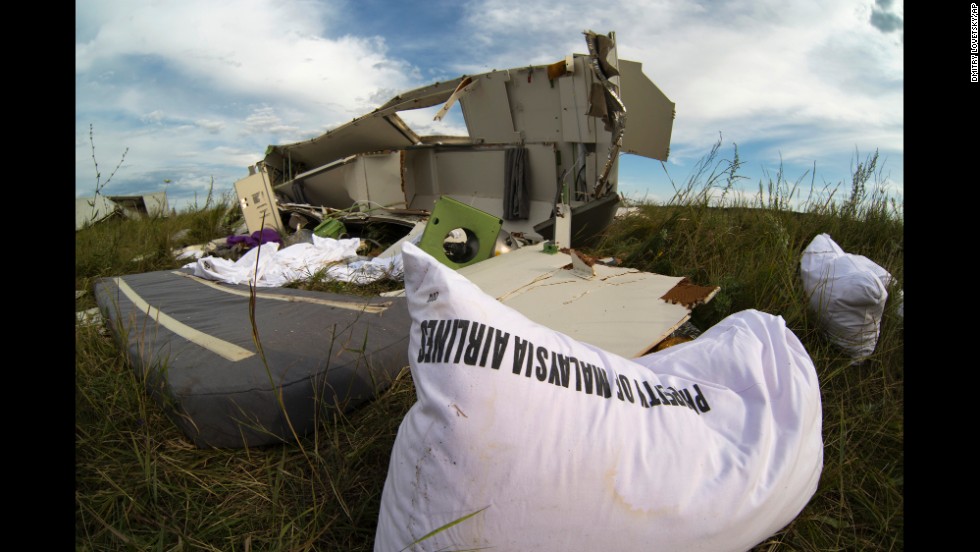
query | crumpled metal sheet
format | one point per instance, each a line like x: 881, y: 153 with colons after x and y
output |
x: 599, y: 48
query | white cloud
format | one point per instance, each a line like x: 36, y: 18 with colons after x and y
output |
x: 266, y: 48
x: 264, y: 119
x: 178, y: 77
x: 216, y: 82
x: 209, y: 125
x: 154, y: 116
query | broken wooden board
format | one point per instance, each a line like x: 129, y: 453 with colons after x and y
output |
x: 621, y: 310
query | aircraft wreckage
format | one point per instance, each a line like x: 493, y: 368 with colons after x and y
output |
x: 505, y: 205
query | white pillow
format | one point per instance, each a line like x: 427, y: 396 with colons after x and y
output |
x: 848, y: 293
x: 714, y: 444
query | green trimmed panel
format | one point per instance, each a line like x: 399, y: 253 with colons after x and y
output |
x: 480, y: 228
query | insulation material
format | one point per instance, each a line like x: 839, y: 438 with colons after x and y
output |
x: 848, y: 292
x: 517, y: 198
x: 531, y: 440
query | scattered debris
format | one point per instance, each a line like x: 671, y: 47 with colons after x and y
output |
x: 539, y: 150
x: 535, y: 174
x: 142, y: 205
x: 617, y: 309
x: 89, y: 317
x: 218, y: 247
x: 581, y: 266
x: 90, y: 210
x: 180, y: 234
x: 690, y: 295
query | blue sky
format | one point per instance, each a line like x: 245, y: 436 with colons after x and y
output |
x: 195, y: 90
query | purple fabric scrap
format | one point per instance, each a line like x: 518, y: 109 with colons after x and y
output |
x: 266, y: 235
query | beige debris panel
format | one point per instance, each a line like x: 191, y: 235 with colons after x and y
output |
x: 620, y: 310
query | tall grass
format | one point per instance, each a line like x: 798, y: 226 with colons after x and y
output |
x: 751, y: 247
x: 140, y: 485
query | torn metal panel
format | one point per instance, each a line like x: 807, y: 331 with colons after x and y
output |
x: 535, y: 104
x: 426, y: 96
x: 477, y: 176
x: 619, y: 309
x: 589, y: 220
x: 651, y: 114
x: 487, y: 110
x: 600, y: 50
x: 576, y: 124
x: 142, y: 205
x: 89, y: 210
x: 464, y: 87
x: 572, y: 138
x: 365, y: 134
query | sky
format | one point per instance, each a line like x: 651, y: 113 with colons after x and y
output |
x: 182, y: 96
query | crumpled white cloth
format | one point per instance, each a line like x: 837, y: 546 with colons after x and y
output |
x: 269, y: 266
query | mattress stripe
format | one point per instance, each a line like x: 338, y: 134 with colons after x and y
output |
x: 218, y: 346
x: 361, y: 307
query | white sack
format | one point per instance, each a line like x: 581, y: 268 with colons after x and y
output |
x: 848, y: 292
x: 710, y: 445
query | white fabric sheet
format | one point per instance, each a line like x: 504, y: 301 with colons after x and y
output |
x: 278, y: 267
